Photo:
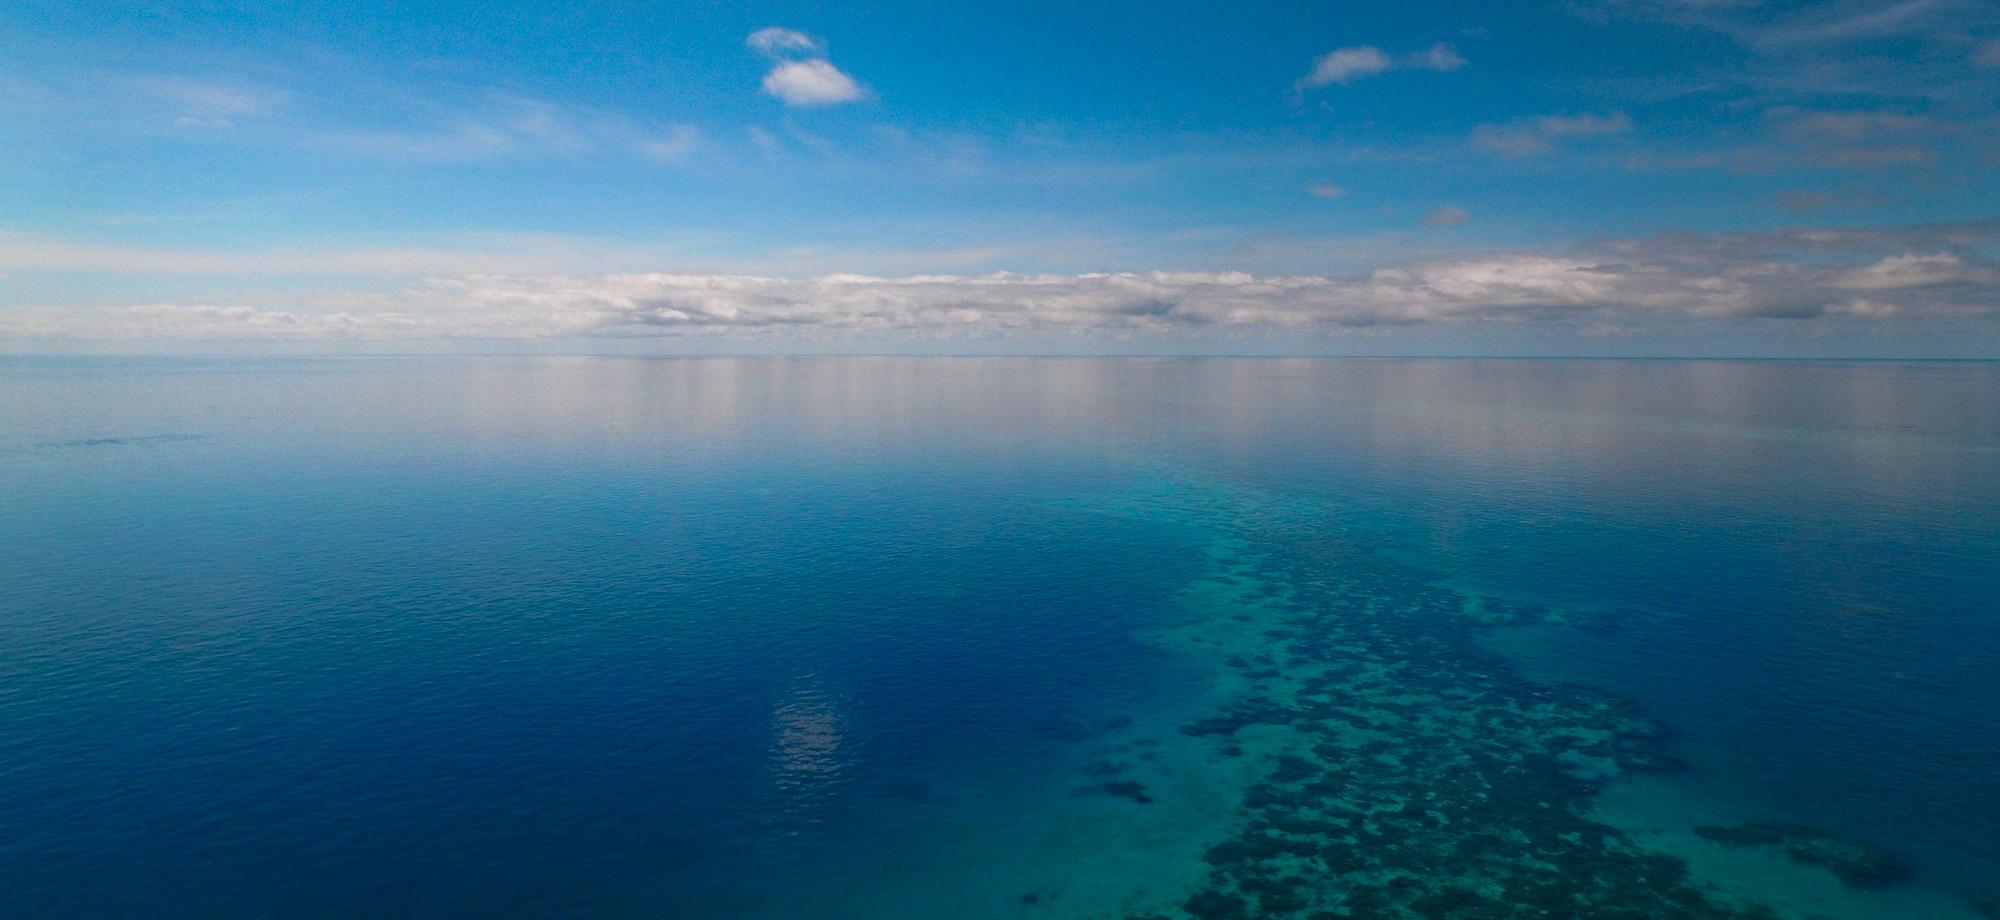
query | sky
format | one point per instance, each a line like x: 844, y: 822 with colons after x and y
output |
x: 1579, y: 177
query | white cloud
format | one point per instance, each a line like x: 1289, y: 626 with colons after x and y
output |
x: 1342, y: 65
x: 800, y: 73
x: 1327, y: 191
x: 810, y: 83
x: 1345, y: 65
x: 1441, y: 57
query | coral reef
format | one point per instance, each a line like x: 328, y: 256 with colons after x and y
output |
x: 1120, y: 789
x: 1857, y: 863
x: 1417, y: 776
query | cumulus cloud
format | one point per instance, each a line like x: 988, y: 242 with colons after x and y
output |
x: 800, y: 73
x: 1535, y: 136
x: 1610, y: 287
x: 809, y: 83
x: 1345, y: 65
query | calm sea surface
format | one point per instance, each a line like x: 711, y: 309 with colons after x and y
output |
x: 858, y: 637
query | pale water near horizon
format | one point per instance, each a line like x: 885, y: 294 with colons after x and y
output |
x: 862, y: 637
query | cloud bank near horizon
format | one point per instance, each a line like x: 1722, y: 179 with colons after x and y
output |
x: 1615, y: 287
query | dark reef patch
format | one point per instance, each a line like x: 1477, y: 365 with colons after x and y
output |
x: 1856, y: 862
x: 1102, y: 768
x: 1118, y: 789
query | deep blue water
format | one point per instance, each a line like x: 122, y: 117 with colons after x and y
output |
x: 834, y: 637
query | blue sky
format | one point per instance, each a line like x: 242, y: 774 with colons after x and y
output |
x: 1643, y: 177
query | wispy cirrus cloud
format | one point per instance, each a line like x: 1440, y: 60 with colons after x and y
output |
x: 1448, y: 216
x: 1836, y: 23
x: 777, y: 41
x: 1790, y: 138
x: 24, y: 252
x: 1536, y: 136
x: 1845, y: 139
x: 208, y: 103
x: 1850, y: 49
x: 1815, y: 201
x: 508, y: 125
x: 1345, y: 65
x: 432, y: 123
x: 1792, y: 26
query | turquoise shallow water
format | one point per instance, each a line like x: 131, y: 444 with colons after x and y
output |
x: 998, y: 637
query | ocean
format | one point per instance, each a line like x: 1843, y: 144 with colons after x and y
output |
x: 999, y: 637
